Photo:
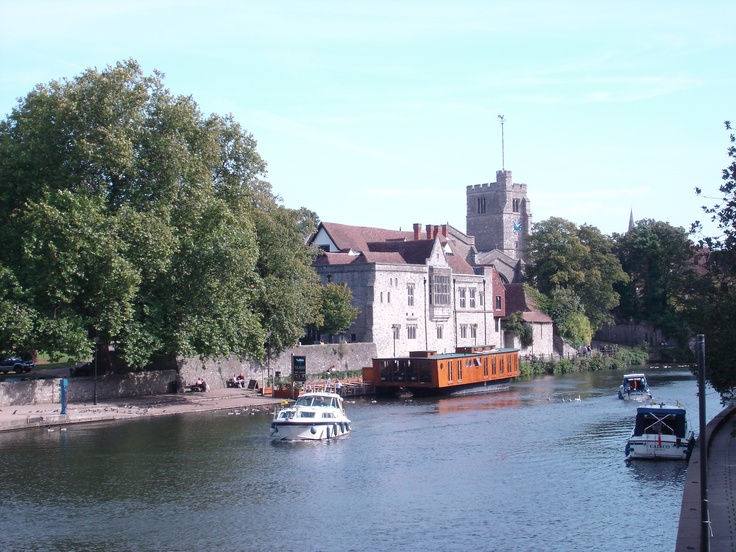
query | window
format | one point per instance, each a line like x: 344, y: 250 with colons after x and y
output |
x: 480, y: 299
x: 474, y: 331
x: 498, y: 302
x: 381, y: 297
x: 440, y: 288
x: 395, y: 329
x: 440, y: 331
x: 498, y: 325
x: 411, y: 331
x: 516, y: 204
x: 464, y: 330
x: 462, y: 298
x: 481, y: 205
x: 410, y: 295
x: 388, y: 296
x: 472, y: 297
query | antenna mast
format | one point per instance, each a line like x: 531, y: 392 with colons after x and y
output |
x: 503, y: 162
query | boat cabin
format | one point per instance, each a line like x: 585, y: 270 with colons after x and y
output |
x: 660, y: 421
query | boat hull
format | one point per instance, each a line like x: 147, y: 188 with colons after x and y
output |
x: 455, y: 391
x: 299, y: 431
x: 654, y: 447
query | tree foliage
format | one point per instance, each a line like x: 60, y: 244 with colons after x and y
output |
x: 566, y: 309
x: 337, y: 312
x: 656, y: 256
x: 129, y: 216
x: 516, y: 325
x: 578, y: 259
x: 712, y: 303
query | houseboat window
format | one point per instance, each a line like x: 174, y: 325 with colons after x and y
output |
x: 410, y: 295
x: 471, y: 291
x: 501, y: 365
x: 493, y: 366
x: 485, y: 367
x: 449, y: 371
x: 460, y: 371
x: 425, y: 371
x: 411, y: 331
x: 462, y: 298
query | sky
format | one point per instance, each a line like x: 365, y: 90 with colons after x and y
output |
x: 380, y: 113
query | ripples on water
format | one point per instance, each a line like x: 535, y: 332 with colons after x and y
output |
x: 526, y: 469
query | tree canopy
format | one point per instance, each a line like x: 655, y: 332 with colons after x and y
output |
x: 129, y: 216
x: 712, y: 303
x: 578, y: 259
x: 657, y: 256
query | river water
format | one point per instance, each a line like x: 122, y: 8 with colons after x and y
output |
x: 531, y: 468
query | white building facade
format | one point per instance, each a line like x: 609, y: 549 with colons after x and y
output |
x: 413, y: 292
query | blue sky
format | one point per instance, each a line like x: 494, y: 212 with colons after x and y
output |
x: 380, y: 113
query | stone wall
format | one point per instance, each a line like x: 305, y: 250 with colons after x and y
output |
x: 320, y: 358
x: 631, y: 334
x: 81, y: 389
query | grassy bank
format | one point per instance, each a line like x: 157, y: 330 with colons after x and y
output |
x: 619, y: 360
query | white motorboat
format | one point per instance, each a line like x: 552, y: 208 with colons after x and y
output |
x: 634, y: 387
x: 660, y: 432
x: 314, y: 416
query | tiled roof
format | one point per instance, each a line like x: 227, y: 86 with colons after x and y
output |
x: 378, y: 245
x: 517, y: 301
x: 347, y: 237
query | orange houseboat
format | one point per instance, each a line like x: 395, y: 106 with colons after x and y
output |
x: 477, y: 369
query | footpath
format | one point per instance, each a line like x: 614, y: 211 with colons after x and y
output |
x: 721, y: 489
x: 47, y: 415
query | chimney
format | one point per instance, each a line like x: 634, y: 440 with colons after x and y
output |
x: 435, y: 231
x: 417, y: 231
x: 429, y: 231
x: 444, y: 230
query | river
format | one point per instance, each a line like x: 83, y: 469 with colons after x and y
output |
x: 538, y: 467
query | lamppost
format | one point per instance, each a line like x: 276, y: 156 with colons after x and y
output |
x: 96, y: 340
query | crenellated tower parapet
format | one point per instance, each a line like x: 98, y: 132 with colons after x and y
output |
x: 499, y: 215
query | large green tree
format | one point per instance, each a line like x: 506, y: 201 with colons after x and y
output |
x: 713, y: 301
x: 337, y: 312
x: 657, y: 257
x: 128, y: 216
x: 579, y: 259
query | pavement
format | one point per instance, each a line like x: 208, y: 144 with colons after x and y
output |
x: 720, y: 476
x: 126, y: 408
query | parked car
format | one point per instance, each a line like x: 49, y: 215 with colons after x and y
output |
x: 15, y: 364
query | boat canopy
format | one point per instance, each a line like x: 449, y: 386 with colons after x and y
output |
x: 662, y: 421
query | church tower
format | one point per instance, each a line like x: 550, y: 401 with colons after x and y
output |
x: 499, y: 216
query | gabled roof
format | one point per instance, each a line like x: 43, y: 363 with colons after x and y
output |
x: 345, y: 236
x: 518, y: 301
x: 377, y: 245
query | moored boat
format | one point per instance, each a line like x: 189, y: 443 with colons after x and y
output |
x: 660, y: 432
x: 634, y: 387
x: 314, y: 416
x: 469, y: 370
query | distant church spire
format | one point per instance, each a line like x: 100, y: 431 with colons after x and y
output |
x: 631, y: 220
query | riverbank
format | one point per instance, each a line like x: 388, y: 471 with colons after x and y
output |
x: 13, y: 418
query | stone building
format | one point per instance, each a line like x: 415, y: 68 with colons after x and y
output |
x: 499, y: 218
x: 414, y: 290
